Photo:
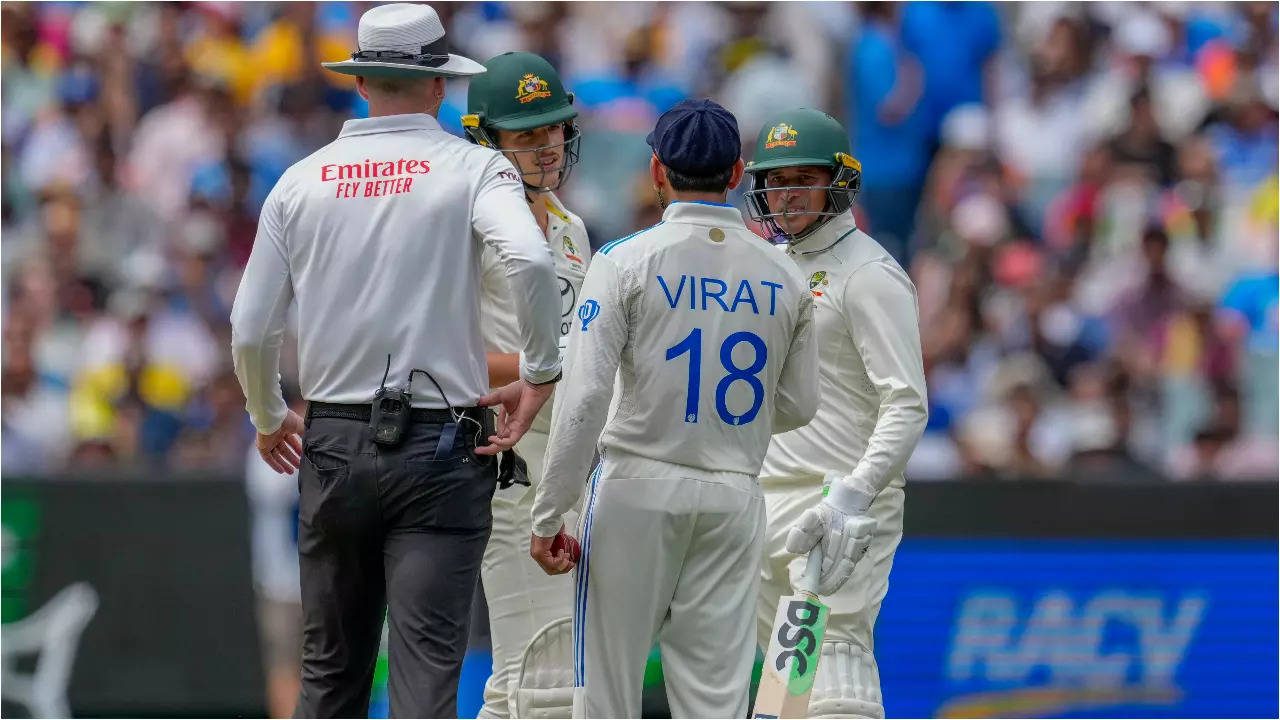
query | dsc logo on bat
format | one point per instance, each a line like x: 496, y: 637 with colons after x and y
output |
x: 800, y: 637
x: 792, y: 660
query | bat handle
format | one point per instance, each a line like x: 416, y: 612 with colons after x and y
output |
x: 812, y: 571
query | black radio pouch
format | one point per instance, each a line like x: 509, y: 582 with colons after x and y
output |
x: 389, y: 417
x: 512, y: 470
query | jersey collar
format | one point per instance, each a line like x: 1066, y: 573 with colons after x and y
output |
x: 389, y: 123
x: 826, y: 237
x: 558, y: 218
x: 700, y: 212
x: 555, y: 207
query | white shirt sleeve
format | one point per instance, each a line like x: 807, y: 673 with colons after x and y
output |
x: 501, y: 219
x: 796, y: 400
x: 880, y: 308
x: 258, y: 319
x: 583, y: 397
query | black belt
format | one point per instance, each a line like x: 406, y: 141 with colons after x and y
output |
x: 362, y: 413
x: 512, y: 469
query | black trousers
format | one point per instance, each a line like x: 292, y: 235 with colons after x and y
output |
x: 381, y: 529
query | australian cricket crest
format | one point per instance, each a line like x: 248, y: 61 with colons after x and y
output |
x: 531, y: 87
x: 818, y: 283
x: 571, y: 250
x: 781, y: 135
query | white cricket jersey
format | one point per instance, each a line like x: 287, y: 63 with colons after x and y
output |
x: 377, y: 238
x: 873, y: 406
x: 708, y: 331
x: 567, y: 237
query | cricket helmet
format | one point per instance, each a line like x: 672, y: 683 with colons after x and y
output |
x: 522, y: 91
x: 802, y: 137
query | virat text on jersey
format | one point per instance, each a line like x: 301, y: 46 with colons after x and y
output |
x: 708, y: 288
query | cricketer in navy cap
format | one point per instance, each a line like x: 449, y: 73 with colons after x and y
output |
x: 697, y: 138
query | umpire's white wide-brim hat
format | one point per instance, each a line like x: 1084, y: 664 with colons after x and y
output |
x: 403, y: 40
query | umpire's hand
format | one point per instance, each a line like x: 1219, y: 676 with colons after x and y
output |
x: 282, y: 449
x: 518, y: 403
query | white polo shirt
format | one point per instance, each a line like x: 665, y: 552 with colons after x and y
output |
x: 377, y: 237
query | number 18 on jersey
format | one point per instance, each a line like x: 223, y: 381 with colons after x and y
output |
x: 692, y: 346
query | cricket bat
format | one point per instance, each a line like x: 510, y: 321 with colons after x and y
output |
x: 795, y: 646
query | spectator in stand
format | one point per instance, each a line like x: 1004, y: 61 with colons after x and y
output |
x: 1244, y: 141
x: 172, y: 141
x: 1039, y: 133
x: 891, y: 130
x: 122, y: 224
x: 1142, y: 56
x: 33, y: 413
x: 1222, y: 449
x: 1142, y: 144
x: 957, y: 71
x: 1142, y: 313
x: 1251, y: 312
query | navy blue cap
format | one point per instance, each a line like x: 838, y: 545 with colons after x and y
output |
x: 696, y: 137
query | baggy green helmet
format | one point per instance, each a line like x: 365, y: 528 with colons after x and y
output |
x: 803, y: 136
x: 521, y: 91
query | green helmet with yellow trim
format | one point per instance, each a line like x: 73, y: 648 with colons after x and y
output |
x: 803, y: 137
x: 522, y: 91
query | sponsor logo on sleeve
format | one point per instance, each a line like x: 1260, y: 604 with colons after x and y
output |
x: 587, y: 312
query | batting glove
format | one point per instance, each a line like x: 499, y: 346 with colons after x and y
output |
x: 840, y: 522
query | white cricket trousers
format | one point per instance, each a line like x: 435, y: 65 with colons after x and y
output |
x: 522, y: 599
x: 671, y: 554
x: 848, y: 682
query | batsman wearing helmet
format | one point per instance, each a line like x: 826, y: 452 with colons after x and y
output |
x: 871, y: 412
x: 519, y: 106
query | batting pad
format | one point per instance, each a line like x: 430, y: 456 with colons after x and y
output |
x: 847, y: 683
x: 544, y: 687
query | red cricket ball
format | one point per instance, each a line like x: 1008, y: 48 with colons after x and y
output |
x: 566, y: 542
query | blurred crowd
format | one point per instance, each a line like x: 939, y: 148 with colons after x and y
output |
x: 1085, y: 195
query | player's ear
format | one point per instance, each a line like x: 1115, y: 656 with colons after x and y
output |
x: 361, y: 88
x: 657, y: 173
x: 739, y: 168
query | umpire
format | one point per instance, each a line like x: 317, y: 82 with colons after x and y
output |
x: 376, y: 240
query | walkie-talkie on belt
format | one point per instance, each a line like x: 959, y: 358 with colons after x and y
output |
x: 392, y: 408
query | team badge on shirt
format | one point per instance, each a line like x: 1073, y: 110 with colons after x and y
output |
x: 531, y: 87
x: 571, y: 250
x: 781, y: 135
x: 817, y: 281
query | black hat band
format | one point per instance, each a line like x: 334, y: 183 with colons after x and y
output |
x: 433, y: 54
